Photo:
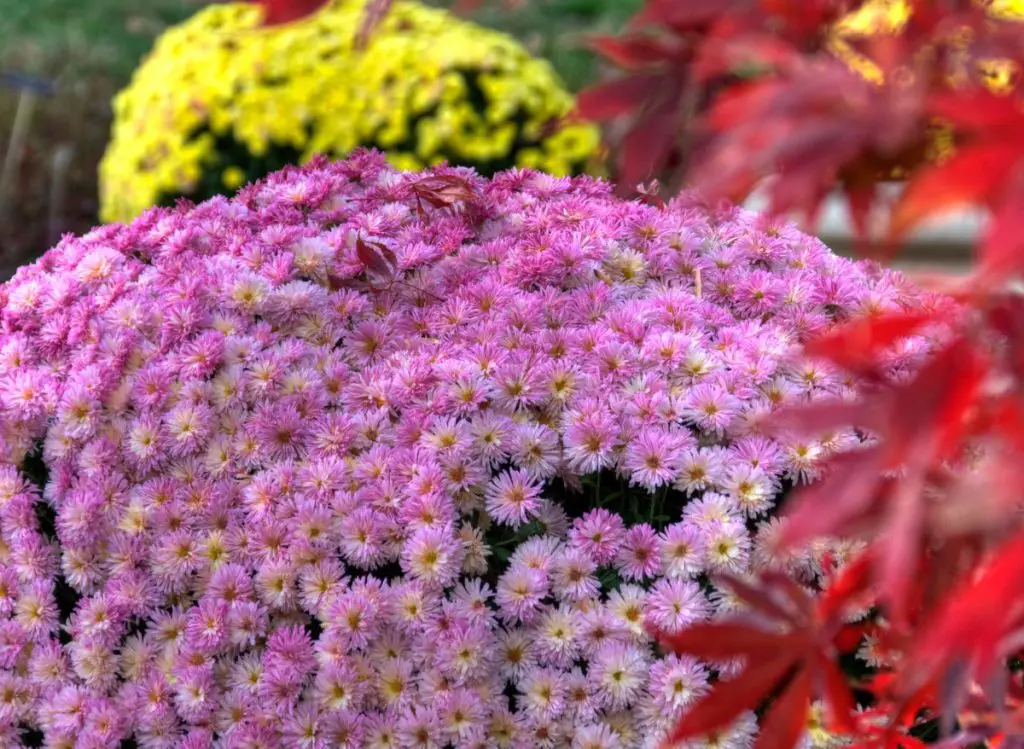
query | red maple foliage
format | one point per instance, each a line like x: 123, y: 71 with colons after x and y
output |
x: 789, y: 642
x: 277, y: 12
x: 754, y: 90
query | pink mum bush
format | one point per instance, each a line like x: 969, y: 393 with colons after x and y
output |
x: 259, y: 495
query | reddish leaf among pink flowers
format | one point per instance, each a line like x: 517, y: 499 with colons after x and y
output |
x: 921, y: 425
x: 847, y: 497
x: 443, y: 190
x: 728, y: 700
x: 380, y: 261
x: 857, y: 346
x: 786, y: 719
x: 787, y: 655
x: 850, y: 583
x: 725, y: 640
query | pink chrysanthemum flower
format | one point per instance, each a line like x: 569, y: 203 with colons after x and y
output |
x: 683, y: 552
x: 512, y: 497
x: 619, y: 672
x: 520, y: 592
x: 672, y: 604
x: 639, y: 556
x: 598, y: 533
x: 652, y: 458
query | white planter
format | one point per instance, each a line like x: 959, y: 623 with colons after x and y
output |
x: 946, y: 239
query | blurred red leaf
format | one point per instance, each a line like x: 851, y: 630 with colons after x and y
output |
x: 806, y: 18
x: 728, y: 700
x: 979, y: 111
x: 647, y: 145
x: 725, y: 640
x: 743, y: 50
x: 277, y: 12
x: 921, y: 425
x: 860, y: 200
x: 974, y: 175
x: 1002, y: 244
x: 976, y: 617
x: 842, y: 705
x: 692, y: 14
x: 851, y: 582
x: 849, y: 494
x: 767, y: 601
x: 616, y: 98
x: 637, y: 52
x: 786, y: 719
x: 857, y: 345
x: 805, y: 127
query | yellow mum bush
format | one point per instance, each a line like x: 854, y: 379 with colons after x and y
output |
x: 222, y: 101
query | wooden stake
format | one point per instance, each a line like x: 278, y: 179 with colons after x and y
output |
x: 15, y: 146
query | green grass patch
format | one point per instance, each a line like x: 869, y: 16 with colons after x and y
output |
x: 558, y: 29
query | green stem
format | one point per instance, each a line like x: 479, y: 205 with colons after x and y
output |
x: 658, y: 503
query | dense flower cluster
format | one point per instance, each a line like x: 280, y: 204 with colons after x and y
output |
x: 221, y: 102
x: 261, y: 492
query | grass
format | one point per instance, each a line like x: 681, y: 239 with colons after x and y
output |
x: 75, y: 38
x: 88, y: 49
x: 558, y: 29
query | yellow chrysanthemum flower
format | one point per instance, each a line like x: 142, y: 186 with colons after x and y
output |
x: 818, y: 735
x: 221, y: 101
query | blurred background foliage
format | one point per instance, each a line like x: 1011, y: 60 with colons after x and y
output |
x: 88, y: 49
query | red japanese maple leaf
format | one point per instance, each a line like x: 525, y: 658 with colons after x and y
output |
x: 277, y: 12
x: 922, y: 425
x: 886, y: 723
x: 655, y: 94
x: 980, y: 623
x: 444, y: 190
x: 815, y: 123
x: 787, y: 641
x: 987, y: 170
x: 380, y: 261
